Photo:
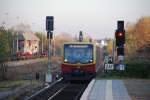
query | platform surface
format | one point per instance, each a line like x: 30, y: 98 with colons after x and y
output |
x: 106, y: 90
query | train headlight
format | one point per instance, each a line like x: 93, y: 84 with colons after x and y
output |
x: 65, y: 60
x: 91, y: 60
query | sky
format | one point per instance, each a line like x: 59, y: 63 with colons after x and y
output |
x: 96, y: 18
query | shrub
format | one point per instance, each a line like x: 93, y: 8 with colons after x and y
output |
x: 138, y: 69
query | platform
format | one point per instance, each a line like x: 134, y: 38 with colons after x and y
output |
x: 106, y: 90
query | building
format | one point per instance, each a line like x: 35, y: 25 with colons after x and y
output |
x: 27, y: 42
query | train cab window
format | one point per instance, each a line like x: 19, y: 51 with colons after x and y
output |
x: 78, y: 54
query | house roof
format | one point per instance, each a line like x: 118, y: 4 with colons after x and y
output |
x: 27, y: 36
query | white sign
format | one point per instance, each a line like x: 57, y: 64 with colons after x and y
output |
x: 108, y: 59
x: 120, y: 58
x: 109, y: 66
x: 122, y: 67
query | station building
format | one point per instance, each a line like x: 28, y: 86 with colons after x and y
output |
x: 27, y: 42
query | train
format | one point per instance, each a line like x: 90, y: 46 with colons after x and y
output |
x: 80, y: 61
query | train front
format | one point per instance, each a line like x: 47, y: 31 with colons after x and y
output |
x: 78, y: 61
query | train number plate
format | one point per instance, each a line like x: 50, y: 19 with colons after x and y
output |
x: 109, y: 66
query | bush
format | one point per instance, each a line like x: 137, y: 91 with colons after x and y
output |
x: 138, y: 69
x: 134, y: 69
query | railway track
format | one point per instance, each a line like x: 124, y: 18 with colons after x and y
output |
x: 61, y: 91
x: 71, y: 91
x: 48, y: 91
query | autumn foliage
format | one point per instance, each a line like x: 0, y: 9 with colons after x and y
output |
x: 138, y: 39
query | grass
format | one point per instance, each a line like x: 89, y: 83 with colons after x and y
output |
x: 9, y: 85
x: 111, y: 75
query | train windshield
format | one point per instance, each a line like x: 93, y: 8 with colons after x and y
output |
x: 78, y: 53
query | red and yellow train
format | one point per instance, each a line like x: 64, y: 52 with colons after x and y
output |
x: 80, y: 61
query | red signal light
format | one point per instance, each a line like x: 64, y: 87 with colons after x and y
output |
x: 120, y: 34
x: 120, y: 38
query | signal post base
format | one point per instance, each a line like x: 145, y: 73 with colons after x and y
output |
x: 48, y: 78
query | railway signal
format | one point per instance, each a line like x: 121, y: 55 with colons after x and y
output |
x: 49, y: 23
x: 120, y: 40
x: 49, y: 26
x: 49, y: 34
x: 80, y: 36
x: 120, y: 34
x: 49, y: 29
x: 120, y: 25
x: 120, y: 51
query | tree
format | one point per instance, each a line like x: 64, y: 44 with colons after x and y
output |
x: 110, y: 46
x: 56, y: 42
x: 5, y: 44
x: 59, y: 40
x: 138, y: 37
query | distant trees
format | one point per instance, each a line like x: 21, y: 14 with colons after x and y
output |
x: 109, y: 46
x: 57, y: 42
x: 5, y: 44
x: 7, y: 38
x: 138, y: 38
